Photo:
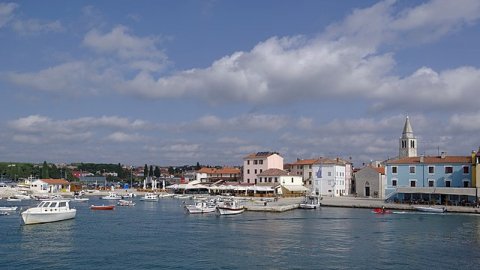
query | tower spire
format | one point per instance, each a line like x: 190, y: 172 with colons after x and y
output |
x: 408, y: 142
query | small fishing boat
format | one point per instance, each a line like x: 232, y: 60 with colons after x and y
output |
x: 430, y: 209
x: 9, y: 199
x: 231, y: 207
x: 201, y: 207
x: 49, y: 211
x: 102, y: 207
x: 112, y: 196
x: 310, y: 202
x: 8, y: 208
x: 80, y: 199
x: 149, y: 197
x: 125, y: 203
x: 4, y: 213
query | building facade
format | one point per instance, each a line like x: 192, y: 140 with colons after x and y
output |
x: 210, y: 175
x: 285, y: 183
x: 329, y: 178
x: 370, y: 182
x: 304, y: 168
x: 256, y: 163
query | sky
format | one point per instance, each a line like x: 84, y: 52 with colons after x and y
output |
x: 180, y: 82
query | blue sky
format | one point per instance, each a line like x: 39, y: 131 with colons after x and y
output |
x: 180, y: 82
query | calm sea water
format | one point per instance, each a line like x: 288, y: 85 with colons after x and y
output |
x: 160, y: 235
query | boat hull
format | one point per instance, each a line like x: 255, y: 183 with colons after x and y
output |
x: 102, y: 207
x: 37, y: 218
x: 308, y: 206
x: 230, y: 211
x: 430, y: 209
x: 192, y: 209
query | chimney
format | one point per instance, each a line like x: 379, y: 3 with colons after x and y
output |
x: 443, y: 155
x: 422, y: 159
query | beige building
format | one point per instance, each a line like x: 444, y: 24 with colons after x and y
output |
x: 303, y: 167
x: 285, y: 183
x: 256, y: 163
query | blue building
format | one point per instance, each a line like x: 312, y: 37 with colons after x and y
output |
x: 428, y: 179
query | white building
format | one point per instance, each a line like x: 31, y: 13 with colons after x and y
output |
x: 285, y: 183
x: 50, y: 185
x: 256, y: 163
x: 330, y: 177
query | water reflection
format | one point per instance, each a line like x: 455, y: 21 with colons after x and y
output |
x: 49, y: 243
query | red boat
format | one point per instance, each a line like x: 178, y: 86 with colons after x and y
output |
x: 381, y: 211
x: 102, y: 207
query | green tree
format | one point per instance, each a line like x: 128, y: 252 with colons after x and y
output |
x: 45, y: 174
x: 145, y: 170
x: 156, y: 173
x: 150, y: 173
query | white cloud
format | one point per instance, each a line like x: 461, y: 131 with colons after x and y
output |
x: 6, y: 12
x: 41, y: 129
x: 122, y: 137
x: 123, y: 44
x: 465, y: 122
x: 33, y: 27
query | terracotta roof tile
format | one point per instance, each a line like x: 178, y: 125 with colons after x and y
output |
x: 56, y: 181
x: 225, y: 170
x: 274, y: 172
x: 432, y: 160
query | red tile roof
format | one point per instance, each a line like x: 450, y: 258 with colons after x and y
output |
x: 56, y: 181
x: 305, y: 161
x: 274, y: 172
x: 433, y: 160
x: 219, y: 171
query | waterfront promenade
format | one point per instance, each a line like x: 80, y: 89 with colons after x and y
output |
x: 285, y: 204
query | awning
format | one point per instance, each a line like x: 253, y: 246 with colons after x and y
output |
x: 296, y: 188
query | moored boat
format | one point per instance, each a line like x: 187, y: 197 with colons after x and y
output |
x: 200, y: 207
x: 49, y: 211
x: 381, y: 211
x: 230, y: 207
x: 112, y: 196
x: 80, y: 199
x: 102, y: 207
x: 430, y: 209
x: 310, y: 202
x: 150, y: 197
x: 8, y: 208
x: 125, y: 203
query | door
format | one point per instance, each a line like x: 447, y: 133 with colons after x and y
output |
x: 367, y: 191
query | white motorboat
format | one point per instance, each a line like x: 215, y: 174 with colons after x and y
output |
x: 150, y: 197
x: 230, y: 207
x: 49, y: 211
x: 165, y: 195
x: 9, y: 199
x: 80, y: 199
x: 430, y: 209
x: 125, y: 203
x: 310, y: 202
x: 201, y: 207
x: 8, y: 208
x: 112, y: 196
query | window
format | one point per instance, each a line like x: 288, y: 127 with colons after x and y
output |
x: 248, y: 180
x: 412, y: 144
x: 448, y: 183
x: 248, y: 171
x: 394, y: 183
x: 276, y: 180
x: 248, y: 162
x: 260, y: 162
x: 292, y: 180
x: 412, y: 169
x: 465, y: 183
x: 394, y: 170
x: 309, y: 174
x: 260, y: 179
x: 255, y: 171
x: 269, y: 179
x: 431, y: 169
x: 448, y: 169
x: 466, y: 170
x: 413, y: 183
x: 309, y: 166
x: 431, y: 183
x: 255, y: 162
x: 261, y: 170
x: 329, y: 173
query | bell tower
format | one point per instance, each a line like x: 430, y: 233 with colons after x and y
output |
x: 408, y: 142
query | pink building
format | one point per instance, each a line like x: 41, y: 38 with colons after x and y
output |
x: 256, y: 163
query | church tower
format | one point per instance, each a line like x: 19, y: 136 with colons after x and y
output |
x: 408, y: 142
